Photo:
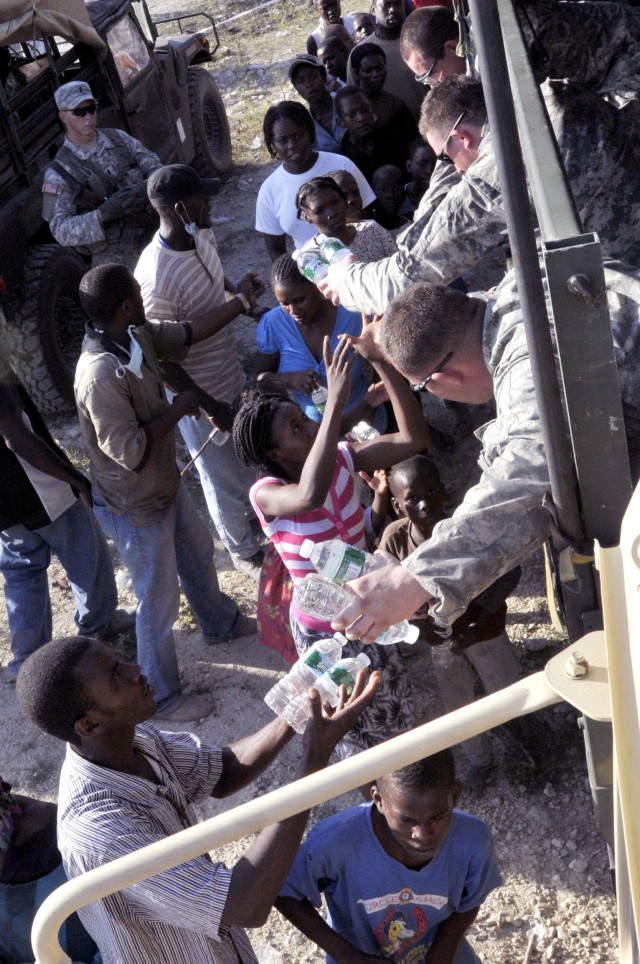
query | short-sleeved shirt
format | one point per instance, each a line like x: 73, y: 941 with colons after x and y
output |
x: 104, y: 814
x: 378, y: 904
x: 134, y: 475
x: 278, y: 332
x: 276, y: 205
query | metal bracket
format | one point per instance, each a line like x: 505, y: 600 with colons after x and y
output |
x: 583, y: 680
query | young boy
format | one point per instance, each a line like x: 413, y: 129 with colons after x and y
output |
x: 479, y: 637
x: 420, y: 166
x: 330, y: 14
x: 309, y: 78
x: 388, y: 185
x: 364, y: 25
x: 403, y: 877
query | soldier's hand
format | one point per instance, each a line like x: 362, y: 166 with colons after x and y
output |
x: 118, y: 205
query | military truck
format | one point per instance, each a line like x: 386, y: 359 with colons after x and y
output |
x: 159, y: 89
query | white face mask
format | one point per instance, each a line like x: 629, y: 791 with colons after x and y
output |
x: 134, y: 365
x: 191, y: 228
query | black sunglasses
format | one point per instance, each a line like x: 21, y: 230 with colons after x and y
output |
x: 443, y: 156
x: 420, y: 387
x: 82, y: 111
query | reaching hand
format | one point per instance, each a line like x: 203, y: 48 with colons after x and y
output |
x: 338, y: 370
x: 377, y: 481
x: 377, y: 394
x: 326, y: 725
x: 367, y: 344
x: 331, y: 282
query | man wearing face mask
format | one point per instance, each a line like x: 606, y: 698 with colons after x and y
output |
x: 139, y: 500
x: 94, y: 192
x: 182, y: 280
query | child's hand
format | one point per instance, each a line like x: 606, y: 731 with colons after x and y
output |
x: 338, y: 369
x: 377, y: 482
x: 306, y: 381
x: 367, y: 344
x: 377, y: 394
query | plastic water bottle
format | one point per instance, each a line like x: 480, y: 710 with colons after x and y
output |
x: 311, y: 265
x: 442, y: 655
x: 296, y: 713
x: 332, y: 249
x: 339, y: 562
x: 317, y: 597
x: 363, y: 432
x: 322, y: 667
x: 218, y: 436
x: 319, y: 398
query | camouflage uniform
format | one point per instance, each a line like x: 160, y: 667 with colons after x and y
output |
x: 502, y: 519
x: 600, y: 146
x: 91, y: 174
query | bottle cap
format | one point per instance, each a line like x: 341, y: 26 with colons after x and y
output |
x: 412, y: 635
x: 341, y: 639
x: 306, y: 548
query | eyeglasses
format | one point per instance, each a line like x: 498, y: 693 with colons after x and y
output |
x: 423, y: 78
x: 443, y: 156
x: 420, y: 387
x: 82, y: 111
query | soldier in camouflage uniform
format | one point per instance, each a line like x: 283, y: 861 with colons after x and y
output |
x: 478, y: 350
x: 451, y: 232
x: 94, y: 192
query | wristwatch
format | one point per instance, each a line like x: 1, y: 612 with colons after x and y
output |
x: 245, y: 302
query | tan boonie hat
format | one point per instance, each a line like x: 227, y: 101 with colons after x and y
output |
x: 70, y: 95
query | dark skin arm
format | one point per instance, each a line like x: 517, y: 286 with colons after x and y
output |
x: 257, y: 878
x: 305, y: 381
x: 36, y: 452
x: 185, y: 403
x: 245, y: 759
x: 178, y: 380
x: 315, y: 478
x: 448, y: 937
x: 218, y: 318
x: 276, y: 244
x: 309, y: 922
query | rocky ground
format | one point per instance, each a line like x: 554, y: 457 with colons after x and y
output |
x: 556, y: 903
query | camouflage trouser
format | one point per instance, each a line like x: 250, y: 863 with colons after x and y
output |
x: 118, y: 254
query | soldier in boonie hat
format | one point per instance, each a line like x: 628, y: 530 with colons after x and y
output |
x: 71, y: 95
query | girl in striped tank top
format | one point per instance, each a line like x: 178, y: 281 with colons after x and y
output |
x: 309, y: 492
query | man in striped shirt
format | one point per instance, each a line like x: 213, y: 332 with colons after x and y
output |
x: 182, y: 279
x: 126, y: 784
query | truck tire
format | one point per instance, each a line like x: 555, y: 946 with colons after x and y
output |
x: 48, y: 331
x: 211, y: 135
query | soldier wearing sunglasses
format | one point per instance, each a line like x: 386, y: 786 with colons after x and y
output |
x: 95, y: 191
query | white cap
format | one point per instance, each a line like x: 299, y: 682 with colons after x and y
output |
x: 412, y: 635
x: 306, y: 548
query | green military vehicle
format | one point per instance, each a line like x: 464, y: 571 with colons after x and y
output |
x: 159, y: 89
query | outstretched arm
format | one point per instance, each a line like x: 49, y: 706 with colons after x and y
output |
x: 257, y: 878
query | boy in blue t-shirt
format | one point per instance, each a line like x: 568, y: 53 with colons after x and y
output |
x: 403, y: 876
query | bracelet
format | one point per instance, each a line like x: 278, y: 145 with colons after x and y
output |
x: 246, y: 307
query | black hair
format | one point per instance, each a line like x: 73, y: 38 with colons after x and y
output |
x: 423, y: 323
x: 362, y: 50
x: 419, y: 144
x: 286, y: 110
x: 284, y: 270
x: 103, y: 289
x: 431, y: 771
x: 350, y: 90
x: 385, y: 170
x: 401, y: 471
x: 252, y: 431
x: 49, y: 689
x: 316, y: 184
x: 427, y: 31
x: 443, y: 105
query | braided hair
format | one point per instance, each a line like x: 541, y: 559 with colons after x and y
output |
x: 313, y: 187
x: 252, y: 431
x: 285, y: 270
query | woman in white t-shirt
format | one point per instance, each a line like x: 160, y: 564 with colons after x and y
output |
x: 289, y: 136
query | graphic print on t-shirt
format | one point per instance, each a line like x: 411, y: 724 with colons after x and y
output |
x: 401, y: 929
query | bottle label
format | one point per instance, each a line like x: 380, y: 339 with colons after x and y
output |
x: 317, y: 661
x: 344, y: 563
x: 341, y: 677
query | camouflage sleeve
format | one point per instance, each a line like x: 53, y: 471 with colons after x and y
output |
x: 451, y: 232
x: 67, y: 226
x: 147, y: 161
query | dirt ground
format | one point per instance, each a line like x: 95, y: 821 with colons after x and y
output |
x: 556, y: 903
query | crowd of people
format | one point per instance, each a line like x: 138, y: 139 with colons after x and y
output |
x: 391, y: 159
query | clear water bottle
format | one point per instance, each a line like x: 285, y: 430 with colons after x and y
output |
x: 296, y: 712
x: 363, y: 432
x: 319, y: 398
x: 332, y: 249
x: 321, y: 599
x: 319, y: 658
x: 339, y: 562
x: 218, y: 436
x: 311, y: 265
